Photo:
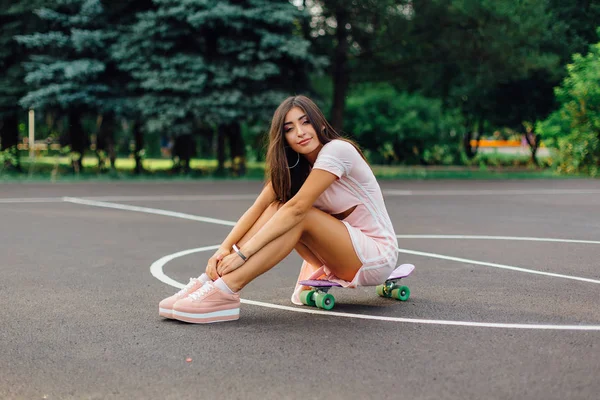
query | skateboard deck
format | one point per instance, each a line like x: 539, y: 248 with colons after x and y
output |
x: 318, y: 297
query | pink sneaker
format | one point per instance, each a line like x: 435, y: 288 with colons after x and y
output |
x: 208, y: 304
x: 165, y: 307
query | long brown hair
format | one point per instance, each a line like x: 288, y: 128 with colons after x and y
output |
x: 287, y: 181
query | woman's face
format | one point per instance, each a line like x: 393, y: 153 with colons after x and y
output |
x: 299, y: 132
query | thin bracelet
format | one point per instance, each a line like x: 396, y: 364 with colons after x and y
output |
x: 237, y: 250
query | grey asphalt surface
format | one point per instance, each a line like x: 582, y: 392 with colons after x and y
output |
x: 79, y: 313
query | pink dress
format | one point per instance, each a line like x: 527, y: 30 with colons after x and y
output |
x: 369, y: 225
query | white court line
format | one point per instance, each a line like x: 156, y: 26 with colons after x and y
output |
x: 494, y: 265
x: 156, y: 269
x: 32, y: 200
x: 464, y: 260
x: 484, y: 192
x: 519, y: 238
x: 177, y: 198
x: 11, y: 200
x: 147, y: 210
x: 249, y: 196
x: 385, y: 192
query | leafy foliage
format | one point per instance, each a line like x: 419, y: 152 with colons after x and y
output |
x: 575, y: 128
x: 398, y: 127
x: 200, y: 67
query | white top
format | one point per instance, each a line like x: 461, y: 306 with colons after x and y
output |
x: 356, y: 186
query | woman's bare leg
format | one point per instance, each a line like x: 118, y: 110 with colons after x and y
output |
x: 260, y: 222
x: 308, y: 255
x: 300, y: 247
x: 319, y: 233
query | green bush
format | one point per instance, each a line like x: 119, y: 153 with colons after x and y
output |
x: 575, y: 128
x: 7, y: 157
x: 401, y: 128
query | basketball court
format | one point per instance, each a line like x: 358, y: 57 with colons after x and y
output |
x: 504, y: 297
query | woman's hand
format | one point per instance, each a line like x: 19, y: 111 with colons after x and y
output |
x: 211, y: 267
x: 230, y: 263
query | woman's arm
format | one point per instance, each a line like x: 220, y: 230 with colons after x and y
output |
x: 292, y: 212
x: 246, y: 221
x: 243, y: 225
x: 336, y: 159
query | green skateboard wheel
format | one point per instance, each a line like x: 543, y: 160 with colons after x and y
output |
x: 325, y: 301
x: 402, y: 293
x: 382, y: 291
x: 306, y: 297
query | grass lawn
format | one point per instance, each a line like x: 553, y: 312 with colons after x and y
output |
x: 57, y: 168
x: 121, y: 164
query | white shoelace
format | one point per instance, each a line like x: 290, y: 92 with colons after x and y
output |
x: 187, y: 287
x: 202, y: 291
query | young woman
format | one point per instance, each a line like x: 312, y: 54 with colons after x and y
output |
x: 321, y: 199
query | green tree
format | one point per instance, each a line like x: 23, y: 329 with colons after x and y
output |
x: 575, y: 128
x: 522, y: 101
x: 119, y: 16
x: 71, y: 69
x: 214, y: 62
x: 463, y: 50
x: 16, y: 17
x: 574, y: 25
x: 353, y: 35
x: 67, y: 70
x: 473, y: 54
x: 398, y: 127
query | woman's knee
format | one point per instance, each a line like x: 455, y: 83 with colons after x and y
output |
x: 312, y: 219
x: 270, y: 210
x: 314, y: 215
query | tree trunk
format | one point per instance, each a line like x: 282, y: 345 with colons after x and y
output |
x: 470, y: 150
x: 533, y: 141
x: 138, y: 138
x: 236, y: 149
x: 221, y: 133
x: 77, y: 139
x: 106, y: 137
x: 480, y: 130
x: 100, y: 144
x: 305, y: 24
x: 9, y: 139
x: 467, y: 138
x: 340, y: 71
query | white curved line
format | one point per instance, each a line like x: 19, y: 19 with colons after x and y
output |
x: 231, y: 223
x: 428, y: 321
x: 493, y: 265
x: 156, y: 267
x: 483, y: 237
x: 157, y: 271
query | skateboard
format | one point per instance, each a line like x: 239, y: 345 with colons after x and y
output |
x: 318, y: 297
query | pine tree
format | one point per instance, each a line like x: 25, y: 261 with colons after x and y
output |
x: 67, y: 70
x: 215, y: 62
x: 16, y: 17
x: 71, y: 70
